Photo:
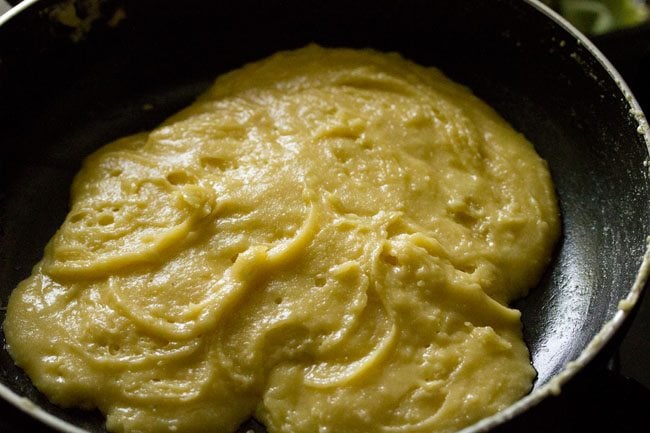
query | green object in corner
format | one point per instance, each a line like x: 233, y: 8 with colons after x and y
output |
x: 601, y: 16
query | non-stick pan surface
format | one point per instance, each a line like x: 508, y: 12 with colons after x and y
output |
x: 65, y: 91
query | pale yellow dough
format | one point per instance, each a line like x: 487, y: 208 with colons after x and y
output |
x: 327, y: 240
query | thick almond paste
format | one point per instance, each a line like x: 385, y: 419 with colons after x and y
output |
x: 326, y: 240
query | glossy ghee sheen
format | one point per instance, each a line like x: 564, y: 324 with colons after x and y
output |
x: 326, y: 240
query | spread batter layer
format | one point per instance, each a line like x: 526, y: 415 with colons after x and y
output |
x: 326, y: 240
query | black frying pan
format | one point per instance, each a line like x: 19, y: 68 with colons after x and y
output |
x: 66, y: 91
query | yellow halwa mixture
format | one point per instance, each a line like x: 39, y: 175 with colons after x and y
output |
x: 326, y: 240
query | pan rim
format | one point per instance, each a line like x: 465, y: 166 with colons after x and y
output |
x: 554, y: 386
x: 16, y: 10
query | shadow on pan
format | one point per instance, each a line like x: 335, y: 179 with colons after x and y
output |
x: 65, y: 91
